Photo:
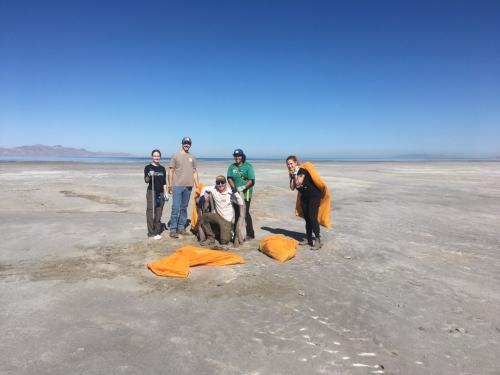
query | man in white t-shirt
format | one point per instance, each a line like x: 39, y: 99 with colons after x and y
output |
x: 223, y: 216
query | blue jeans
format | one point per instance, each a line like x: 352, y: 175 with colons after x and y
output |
x: 178, y: 218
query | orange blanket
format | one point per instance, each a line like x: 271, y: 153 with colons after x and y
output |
x: 324, y: 204
x: 177, y: 264
x: 278, y: 247
x: 194, y: 213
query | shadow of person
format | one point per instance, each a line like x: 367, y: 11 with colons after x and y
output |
x: 289, y: 233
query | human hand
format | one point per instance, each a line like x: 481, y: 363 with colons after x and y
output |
x: 240, y: 189
x: 170, y: 190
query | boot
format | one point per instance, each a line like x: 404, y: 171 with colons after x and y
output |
x: 306, y: 242
x: 317, y: 244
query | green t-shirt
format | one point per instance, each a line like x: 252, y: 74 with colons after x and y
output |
x: 240, y: 175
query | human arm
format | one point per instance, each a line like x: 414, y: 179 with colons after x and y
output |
x: 170, y: 179
x: 236, y: 197
x: 195, y: 176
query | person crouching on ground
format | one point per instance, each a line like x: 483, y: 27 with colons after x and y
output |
x: 155, y: 176
x: 241, y: 178
x: 310, y: 197
x: 223, y: 216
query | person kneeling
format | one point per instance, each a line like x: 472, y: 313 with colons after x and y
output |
x: 223, y: 215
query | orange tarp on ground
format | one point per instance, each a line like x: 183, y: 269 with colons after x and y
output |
x: 194, y: 213
x: 177, y: 264
x: 278, y: 247
x: 324, y: 204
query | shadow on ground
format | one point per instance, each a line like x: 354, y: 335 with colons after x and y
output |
x: 290, y: 233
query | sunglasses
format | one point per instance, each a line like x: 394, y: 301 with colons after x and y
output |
x: 220, y: 182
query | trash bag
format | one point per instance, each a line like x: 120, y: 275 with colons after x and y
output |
x: 195, y: 213
x: 177, y: 264
x: 324, y: 203
x: 278, y: 247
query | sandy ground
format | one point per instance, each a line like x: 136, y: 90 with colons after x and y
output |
x: 407, y: 283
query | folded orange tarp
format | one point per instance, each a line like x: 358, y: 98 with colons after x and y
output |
x: 324, y: 203
x: 177, y: 264
x: 278, y: 247
x: 194, y: 213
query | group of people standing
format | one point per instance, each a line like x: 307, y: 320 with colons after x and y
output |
x: 231, y: 195
x: 178, y: 183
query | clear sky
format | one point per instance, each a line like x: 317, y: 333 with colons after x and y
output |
x: 313, y: 78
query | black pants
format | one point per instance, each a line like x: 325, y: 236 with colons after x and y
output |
x: 153, y: 224
x: 248, y: 218
x: 310, y: 207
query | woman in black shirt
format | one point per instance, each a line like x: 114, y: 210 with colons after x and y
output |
x: 155, y: 177
x: 310, y: 197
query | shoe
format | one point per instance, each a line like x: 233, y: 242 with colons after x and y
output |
x: 157, y: 237
x: 306, y: 242
x: 208, y: 242
x: 317, y: 244
x: 183, y: 232
x: 249, y: 238
x: 173, y: 235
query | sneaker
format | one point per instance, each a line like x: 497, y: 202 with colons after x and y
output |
x: 183, y: 232
x: 208, y: 242
x: 173, y: 235
x: 317, y: 244
x: 157, y: 237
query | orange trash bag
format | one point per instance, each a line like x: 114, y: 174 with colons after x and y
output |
x: 177, y: 264
x: 278, y: 247
x: 194, y: 213
x: 324, y: 203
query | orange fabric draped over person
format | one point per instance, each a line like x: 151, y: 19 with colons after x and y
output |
x: 324, y: 204
x: 194, y: 213
x: 177, y: 264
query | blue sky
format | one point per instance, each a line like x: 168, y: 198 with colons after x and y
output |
x: 313, y: 78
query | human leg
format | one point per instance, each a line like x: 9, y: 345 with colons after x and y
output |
x: 176, y: 205
x: 248, y: 219
x: 304, y: 204
x: 206, y: 222
x: 185, y: 195
x: 225, y: 230
x: 313, y: 217
x: 157, y: 219
x: 149, y: 214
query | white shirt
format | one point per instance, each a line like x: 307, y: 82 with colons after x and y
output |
x: 223, y: 201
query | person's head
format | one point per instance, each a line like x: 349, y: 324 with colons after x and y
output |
x: 220, y: 182
x: 239, y: 156
x: 291, y: 161
x: 186, y: 143
x: 156, y: 156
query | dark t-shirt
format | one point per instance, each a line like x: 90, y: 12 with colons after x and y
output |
x: 159, y: 180
x: 308, y: 189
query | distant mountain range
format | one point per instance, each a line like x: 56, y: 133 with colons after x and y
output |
x: 57, y: 150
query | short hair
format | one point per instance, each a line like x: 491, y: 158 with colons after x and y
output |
x: 292, y: 157
x: 220, y: 177
x: 155, y: 150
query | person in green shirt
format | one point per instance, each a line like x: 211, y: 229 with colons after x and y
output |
x: 241, y: 178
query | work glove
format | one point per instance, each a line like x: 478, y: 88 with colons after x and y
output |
x: 240, y: 189
x: 170, y: 190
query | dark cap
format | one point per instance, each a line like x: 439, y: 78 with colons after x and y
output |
x: 186, y: 140
x: 238, y: 152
